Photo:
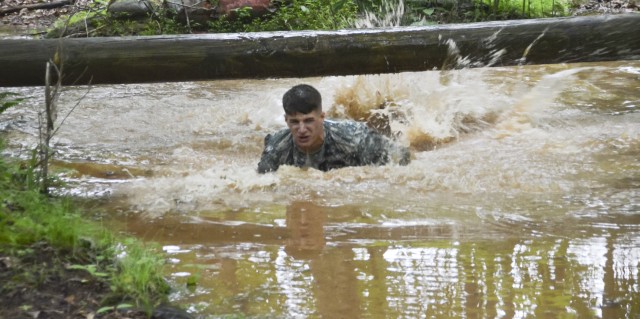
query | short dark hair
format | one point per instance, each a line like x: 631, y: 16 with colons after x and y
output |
x: 302, y: 98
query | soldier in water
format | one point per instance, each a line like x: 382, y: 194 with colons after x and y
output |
x: 312, y: 141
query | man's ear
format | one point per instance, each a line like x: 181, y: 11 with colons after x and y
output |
x: 322, y: 115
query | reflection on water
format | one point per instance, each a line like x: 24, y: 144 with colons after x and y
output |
x: 314, y: 262
x: 522, y: 200
x: 305, y: 225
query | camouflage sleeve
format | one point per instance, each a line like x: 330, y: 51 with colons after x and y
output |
x: 277, y: 151
x: 379, y: 150
x: 269, y: 160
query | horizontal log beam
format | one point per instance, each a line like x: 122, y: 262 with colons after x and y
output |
x: 306, y: 53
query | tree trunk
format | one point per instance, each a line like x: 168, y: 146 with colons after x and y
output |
x: 304, y: 54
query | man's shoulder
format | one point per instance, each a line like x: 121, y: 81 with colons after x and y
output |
x: 345, y: 126
x: 354, y: 143
x: 349, y: 132
x: 277, y: 150
x: 278, y: 139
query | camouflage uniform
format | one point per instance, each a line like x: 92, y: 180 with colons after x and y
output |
x: 345, y: 144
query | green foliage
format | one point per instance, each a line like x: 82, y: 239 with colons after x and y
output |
x: 489, y: 10
x: 296, y: 15
x: 28, y: 217
x: 525, y: 8
x: 98, y: 22
x: 370, y: 5
x: 80, y: 22
x: 91, y: 268
x: 418, y: 12
x: 138, y: 274
x: 306, y: 15
x: 113, y: 308
x: 291, y: 15
x: 8, y: 99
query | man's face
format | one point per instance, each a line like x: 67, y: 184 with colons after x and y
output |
x: 307, y: 130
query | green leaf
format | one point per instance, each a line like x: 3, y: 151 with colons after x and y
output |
x: 338, y: 5
x: 192, y: 280
x: 8, y: 99
x: 109, y: 308
x: 25, y: 307
x: 105, y: 309
x: 76, y: 267
x: 124, y: 306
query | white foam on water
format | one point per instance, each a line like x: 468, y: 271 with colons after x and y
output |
x: 486, y: 141
x: 502, y: 130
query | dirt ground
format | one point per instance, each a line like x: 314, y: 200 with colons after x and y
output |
x: 42, y: 283
x: 33, y: 19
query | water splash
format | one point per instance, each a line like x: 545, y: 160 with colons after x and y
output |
x: 472, y: 131
x: 425, y: 110
x: 390, y: 15
x: 481, y: 141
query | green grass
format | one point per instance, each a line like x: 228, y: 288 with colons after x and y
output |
x: 297, y: 15
x: 28, y: 217
x: 529, y: 8
x: 307, y: 15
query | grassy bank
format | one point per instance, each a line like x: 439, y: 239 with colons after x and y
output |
x: 95, y: 20
x: 57, y: 263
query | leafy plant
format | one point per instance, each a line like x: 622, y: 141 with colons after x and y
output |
x: 9, y: 99
x: 28, y: 217
x: 294, y: 15
x: 91, y: 268
x: 138, y: 272
x: 113, y: 308
x: 420, y: 12
x: 96, y: 21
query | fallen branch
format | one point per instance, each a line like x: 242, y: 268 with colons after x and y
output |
x: 48, y: 5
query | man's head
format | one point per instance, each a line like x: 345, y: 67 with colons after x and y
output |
x: 303, y: 113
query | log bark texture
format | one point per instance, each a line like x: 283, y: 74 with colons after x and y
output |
x: 304, y: 54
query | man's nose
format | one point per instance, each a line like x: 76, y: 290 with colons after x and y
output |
x: 302, y: 128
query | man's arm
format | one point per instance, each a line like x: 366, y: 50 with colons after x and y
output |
x: 377, y: 149
x: 268, y: 160
x: 277, y: 151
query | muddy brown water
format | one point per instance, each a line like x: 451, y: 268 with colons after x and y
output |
x: 522, y: 199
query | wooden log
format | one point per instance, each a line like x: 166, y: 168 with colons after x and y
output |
x: 304, y: 54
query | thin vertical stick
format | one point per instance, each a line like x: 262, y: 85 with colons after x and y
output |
x: 50, y: 111
x: 44, y: 140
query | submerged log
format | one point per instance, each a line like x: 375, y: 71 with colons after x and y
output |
x: 303, y: 54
